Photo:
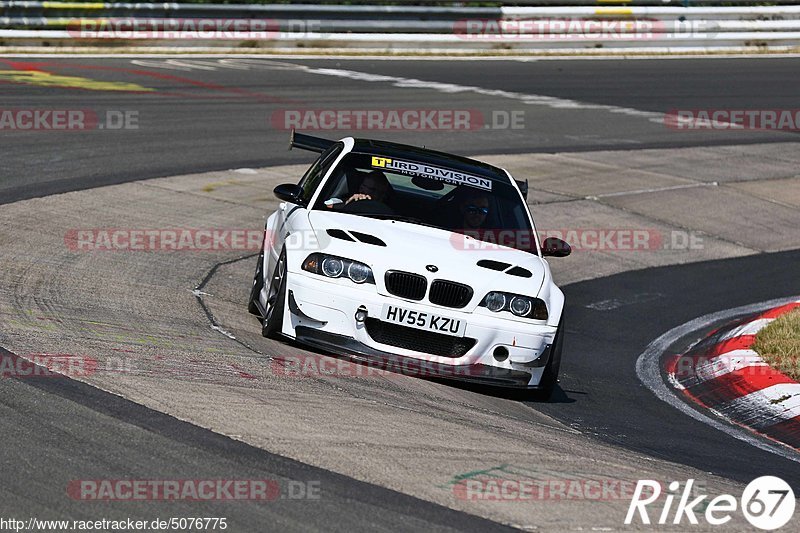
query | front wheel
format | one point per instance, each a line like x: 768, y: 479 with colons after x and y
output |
x: 550, y: 375
x: 276, y: 296
x: 258, y: 284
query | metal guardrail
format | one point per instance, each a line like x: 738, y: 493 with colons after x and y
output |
x: 536, y: 25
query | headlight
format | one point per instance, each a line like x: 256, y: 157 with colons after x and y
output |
x: 332, y: 267
x: 495, y: 301
x: 338, y: 267
x: 358, y: 272
x: 522, y: 306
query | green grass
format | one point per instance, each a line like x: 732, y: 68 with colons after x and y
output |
x: 779, y: 344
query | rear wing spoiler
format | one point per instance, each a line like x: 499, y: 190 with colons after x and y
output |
x: 319, y: 145
x: 309, y: 142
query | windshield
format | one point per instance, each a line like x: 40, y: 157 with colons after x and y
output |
x: 431, y: 195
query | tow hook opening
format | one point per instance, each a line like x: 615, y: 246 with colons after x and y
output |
x: 500, y: 354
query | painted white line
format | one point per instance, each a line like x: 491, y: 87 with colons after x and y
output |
x: 751, y: 328
x: 161, y: 63
x: 615, y: 303
x: 453, y: 88
x: 648, y: 370
x: 765, y: 407
x: 411, y: 83
x: 552, y: 102
x: 223, y: 331
x: 654, y: 189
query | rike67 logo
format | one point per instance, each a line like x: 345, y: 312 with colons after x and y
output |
x: 767, y: 503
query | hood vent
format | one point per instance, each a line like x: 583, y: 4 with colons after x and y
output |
x: 519, y: 271
x: 355, y: 235
x: 368, y: 239
x: 505, y: 267
x: 493, y: 265
x: 339, y: 234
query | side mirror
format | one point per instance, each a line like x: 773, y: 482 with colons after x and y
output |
x: 289, y: 192
x: 555, y: 247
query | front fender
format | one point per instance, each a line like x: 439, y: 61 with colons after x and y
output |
x: 272, y: 242
x: 554, y: 298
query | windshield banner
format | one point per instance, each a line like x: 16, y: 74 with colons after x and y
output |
x: 432, y: 172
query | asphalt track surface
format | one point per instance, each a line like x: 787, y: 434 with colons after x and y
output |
x: 218, y: 120
x: 57, y: 430
x: 601, y: 392
x: 207, y: 117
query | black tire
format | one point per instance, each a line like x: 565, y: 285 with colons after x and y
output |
x: 258, y: 284
x: 276, y: 296
x: 550, y: 375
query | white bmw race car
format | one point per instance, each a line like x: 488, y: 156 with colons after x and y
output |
x: 410, y: 258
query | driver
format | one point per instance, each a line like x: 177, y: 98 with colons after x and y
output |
x: 374, y: 186
x: 474, y: 209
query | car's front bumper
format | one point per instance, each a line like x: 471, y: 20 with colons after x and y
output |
x: 411, y: 366
x: 321, y: 313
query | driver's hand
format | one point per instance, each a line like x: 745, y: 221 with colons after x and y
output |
x: 357, y: 197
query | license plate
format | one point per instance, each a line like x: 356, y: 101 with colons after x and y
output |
x: 424, y: 321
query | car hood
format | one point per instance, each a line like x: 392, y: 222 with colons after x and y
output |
x: 395, y: 245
